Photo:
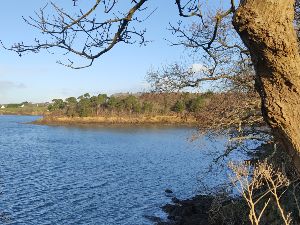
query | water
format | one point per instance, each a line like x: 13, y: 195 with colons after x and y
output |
x: 68, y: 175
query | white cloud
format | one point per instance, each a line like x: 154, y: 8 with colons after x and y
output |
x: 9, y: 89
x: 8, y: 85
x: 197, y: 67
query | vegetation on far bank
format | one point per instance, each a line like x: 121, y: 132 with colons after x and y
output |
x: 130, y: 105
x: 203, y: 110
x: 24, y: 108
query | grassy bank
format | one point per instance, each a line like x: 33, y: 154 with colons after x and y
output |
x: 122, y: 120
x: 33, y: 111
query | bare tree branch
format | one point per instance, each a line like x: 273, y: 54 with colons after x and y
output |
x: 82, y: 34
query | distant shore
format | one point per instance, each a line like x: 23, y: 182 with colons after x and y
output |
x: 21, y: 113
x: 117, y: 120
x: 26, y: 111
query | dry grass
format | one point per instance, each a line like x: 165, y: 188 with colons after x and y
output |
x: 24, y: 111
x: 260, y: 185
x: 119, y: 120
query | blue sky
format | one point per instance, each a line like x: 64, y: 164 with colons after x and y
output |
x: 38, y: 78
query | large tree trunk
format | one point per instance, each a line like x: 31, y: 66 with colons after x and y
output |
x: 266, y: 28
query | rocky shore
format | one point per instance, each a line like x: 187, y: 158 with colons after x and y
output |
x: 188, y: 212
x: 204, y: 210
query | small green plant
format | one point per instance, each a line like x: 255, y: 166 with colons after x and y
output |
x: 179, y: 107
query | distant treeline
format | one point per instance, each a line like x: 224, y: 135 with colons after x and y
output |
x: 16, y: 105
x: 142, y: 103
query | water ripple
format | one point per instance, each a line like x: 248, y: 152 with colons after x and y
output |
x: 59, y: 175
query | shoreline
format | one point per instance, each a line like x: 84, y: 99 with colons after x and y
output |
x: 20, y: 114
x: 198, y: 211
x: 117, y: 121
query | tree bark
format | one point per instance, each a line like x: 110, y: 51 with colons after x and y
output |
x: 266, y: 27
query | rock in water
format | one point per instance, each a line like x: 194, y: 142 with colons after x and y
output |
x: 168, y: 191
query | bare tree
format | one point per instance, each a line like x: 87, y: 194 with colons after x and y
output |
x: 266, y: 29
x: 82, y: 34
x: 248, y: 180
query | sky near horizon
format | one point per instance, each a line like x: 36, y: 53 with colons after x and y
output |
x: 38, y: 78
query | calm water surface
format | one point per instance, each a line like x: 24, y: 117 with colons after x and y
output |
x: 64, y: 175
